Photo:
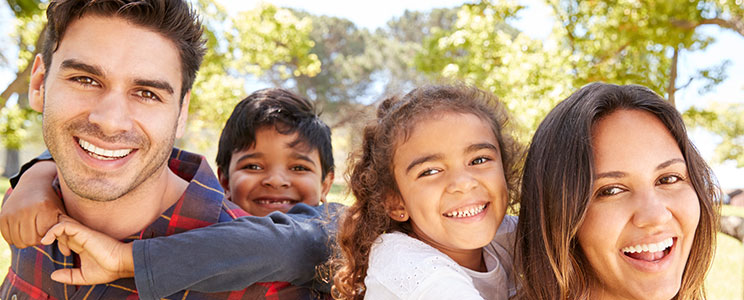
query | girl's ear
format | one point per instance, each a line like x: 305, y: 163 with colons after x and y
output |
x: 397, y: 209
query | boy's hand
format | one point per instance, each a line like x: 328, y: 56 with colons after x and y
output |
x: 32, y: 208
x: 102, y: 258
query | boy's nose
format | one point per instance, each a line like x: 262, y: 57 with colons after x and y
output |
x: 275, y: 180
x: 111, y: 114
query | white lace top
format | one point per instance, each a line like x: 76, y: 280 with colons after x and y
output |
x: 402, y: 267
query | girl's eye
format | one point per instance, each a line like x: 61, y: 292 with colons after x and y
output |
x: 609, y: 191
x: 150, y: 96
x: 85, y: 81
x: 480, y: 160
x: 669, y: 179
x: 428, y: 172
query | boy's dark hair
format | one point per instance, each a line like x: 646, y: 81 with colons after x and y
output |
x: 173, y: 19
x: 287, y: 113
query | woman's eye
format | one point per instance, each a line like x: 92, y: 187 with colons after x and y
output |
x: 669, y: 179
x: 480, y: 160
x: 428, y: 172
x: 610, y: 191
x: 85, y: 81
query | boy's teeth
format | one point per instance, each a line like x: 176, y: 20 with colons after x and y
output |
x: 466, y: 212
x: 103, y: 154
x: 655, y: 247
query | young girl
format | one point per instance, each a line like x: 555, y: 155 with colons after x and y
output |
x: 432, y: 183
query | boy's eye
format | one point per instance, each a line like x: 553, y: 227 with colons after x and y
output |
x: 480, y: 160
x: 428, y: 172
x: 299, y: 168
x: 251, y: 167
x: 147, y: 95
x: 669, y: 179
x: 85, y: 81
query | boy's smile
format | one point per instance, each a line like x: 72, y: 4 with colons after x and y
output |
x: 275, y: 174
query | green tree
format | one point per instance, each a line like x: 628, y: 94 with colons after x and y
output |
x: 620, y: 42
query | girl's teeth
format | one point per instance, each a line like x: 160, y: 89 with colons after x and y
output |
x: 466, y: 213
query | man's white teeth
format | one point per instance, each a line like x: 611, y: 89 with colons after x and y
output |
x: 656, y: 247
x: 274, y: 202
x: 103, y: 154
x: 472, y: 211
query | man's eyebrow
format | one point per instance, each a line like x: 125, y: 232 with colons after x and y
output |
x: 249, y: 156
x: 669, y: 163
x: 422, y: 160
x: 480, y: 146
x: 81, y: 66
x: 157, y: 84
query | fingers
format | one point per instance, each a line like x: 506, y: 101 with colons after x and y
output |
x: 5, y: 231
x: 69, y: 276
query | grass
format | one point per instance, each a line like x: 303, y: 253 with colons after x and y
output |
x: 725, y: 279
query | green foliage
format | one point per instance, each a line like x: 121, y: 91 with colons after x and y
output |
x: 724, y: 119
x: 13, y: 124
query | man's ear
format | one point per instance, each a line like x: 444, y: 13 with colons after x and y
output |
x: 326, y: 184
x: 397, y: 209
x: 224, y: 182
x: 183, y: 115
x: 36, y: 84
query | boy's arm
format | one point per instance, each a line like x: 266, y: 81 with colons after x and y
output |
x: 233, y: 255
x: 33, y: 206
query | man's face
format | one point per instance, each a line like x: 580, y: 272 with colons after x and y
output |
x: 110, y: 103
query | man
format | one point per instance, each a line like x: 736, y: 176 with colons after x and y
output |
x: 113, y: 83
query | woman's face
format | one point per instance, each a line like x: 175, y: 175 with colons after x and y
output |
x: 643, y: 211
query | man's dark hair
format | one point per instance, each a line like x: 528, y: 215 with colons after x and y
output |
x: 287, y: 113
x: 174, y: 19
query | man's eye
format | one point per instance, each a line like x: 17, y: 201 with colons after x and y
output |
x: 85, y: 81
x: 148, y: 95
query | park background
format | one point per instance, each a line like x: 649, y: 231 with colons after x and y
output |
x: 348, y: 55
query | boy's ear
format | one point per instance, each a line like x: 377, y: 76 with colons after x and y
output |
x: 397, y: 209
x: 224, y: 182
x: 36, y: 84
x: 327, y: 183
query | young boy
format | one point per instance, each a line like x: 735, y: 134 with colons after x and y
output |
x: 275, y: 152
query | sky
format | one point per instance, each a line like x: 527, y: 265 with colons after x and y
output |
x: 536, y: 21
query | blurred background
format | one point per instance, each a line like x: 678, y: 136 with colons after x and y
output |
x: 348, y: 55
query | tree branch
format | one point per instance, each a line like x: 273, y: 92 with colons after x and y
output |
x: 734, y: 24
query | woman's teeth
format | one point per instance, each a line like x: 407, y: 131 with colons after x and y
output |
x: 103, y: 154
x: 656, y: 247
x: 472, y: 211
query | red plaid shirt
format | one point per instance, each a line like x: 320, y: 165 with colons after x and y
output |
x: 202, y: 204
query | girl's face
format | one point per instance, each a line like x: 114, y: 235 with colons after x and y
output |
x: 643, y: 212
x: 451, y: 179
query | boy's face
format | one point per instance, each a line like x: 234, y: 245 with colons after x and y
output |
x: 275, y: 174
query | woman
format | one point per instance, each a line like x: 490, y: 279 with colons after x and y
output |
x: 616, y: 201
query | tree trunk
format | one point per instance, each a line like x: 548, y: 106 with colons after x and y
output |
x: 672, y: 89
x: 12, y: 162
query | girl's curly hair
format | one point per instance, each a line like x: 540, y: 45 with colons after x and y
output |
x: 371, y: 177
